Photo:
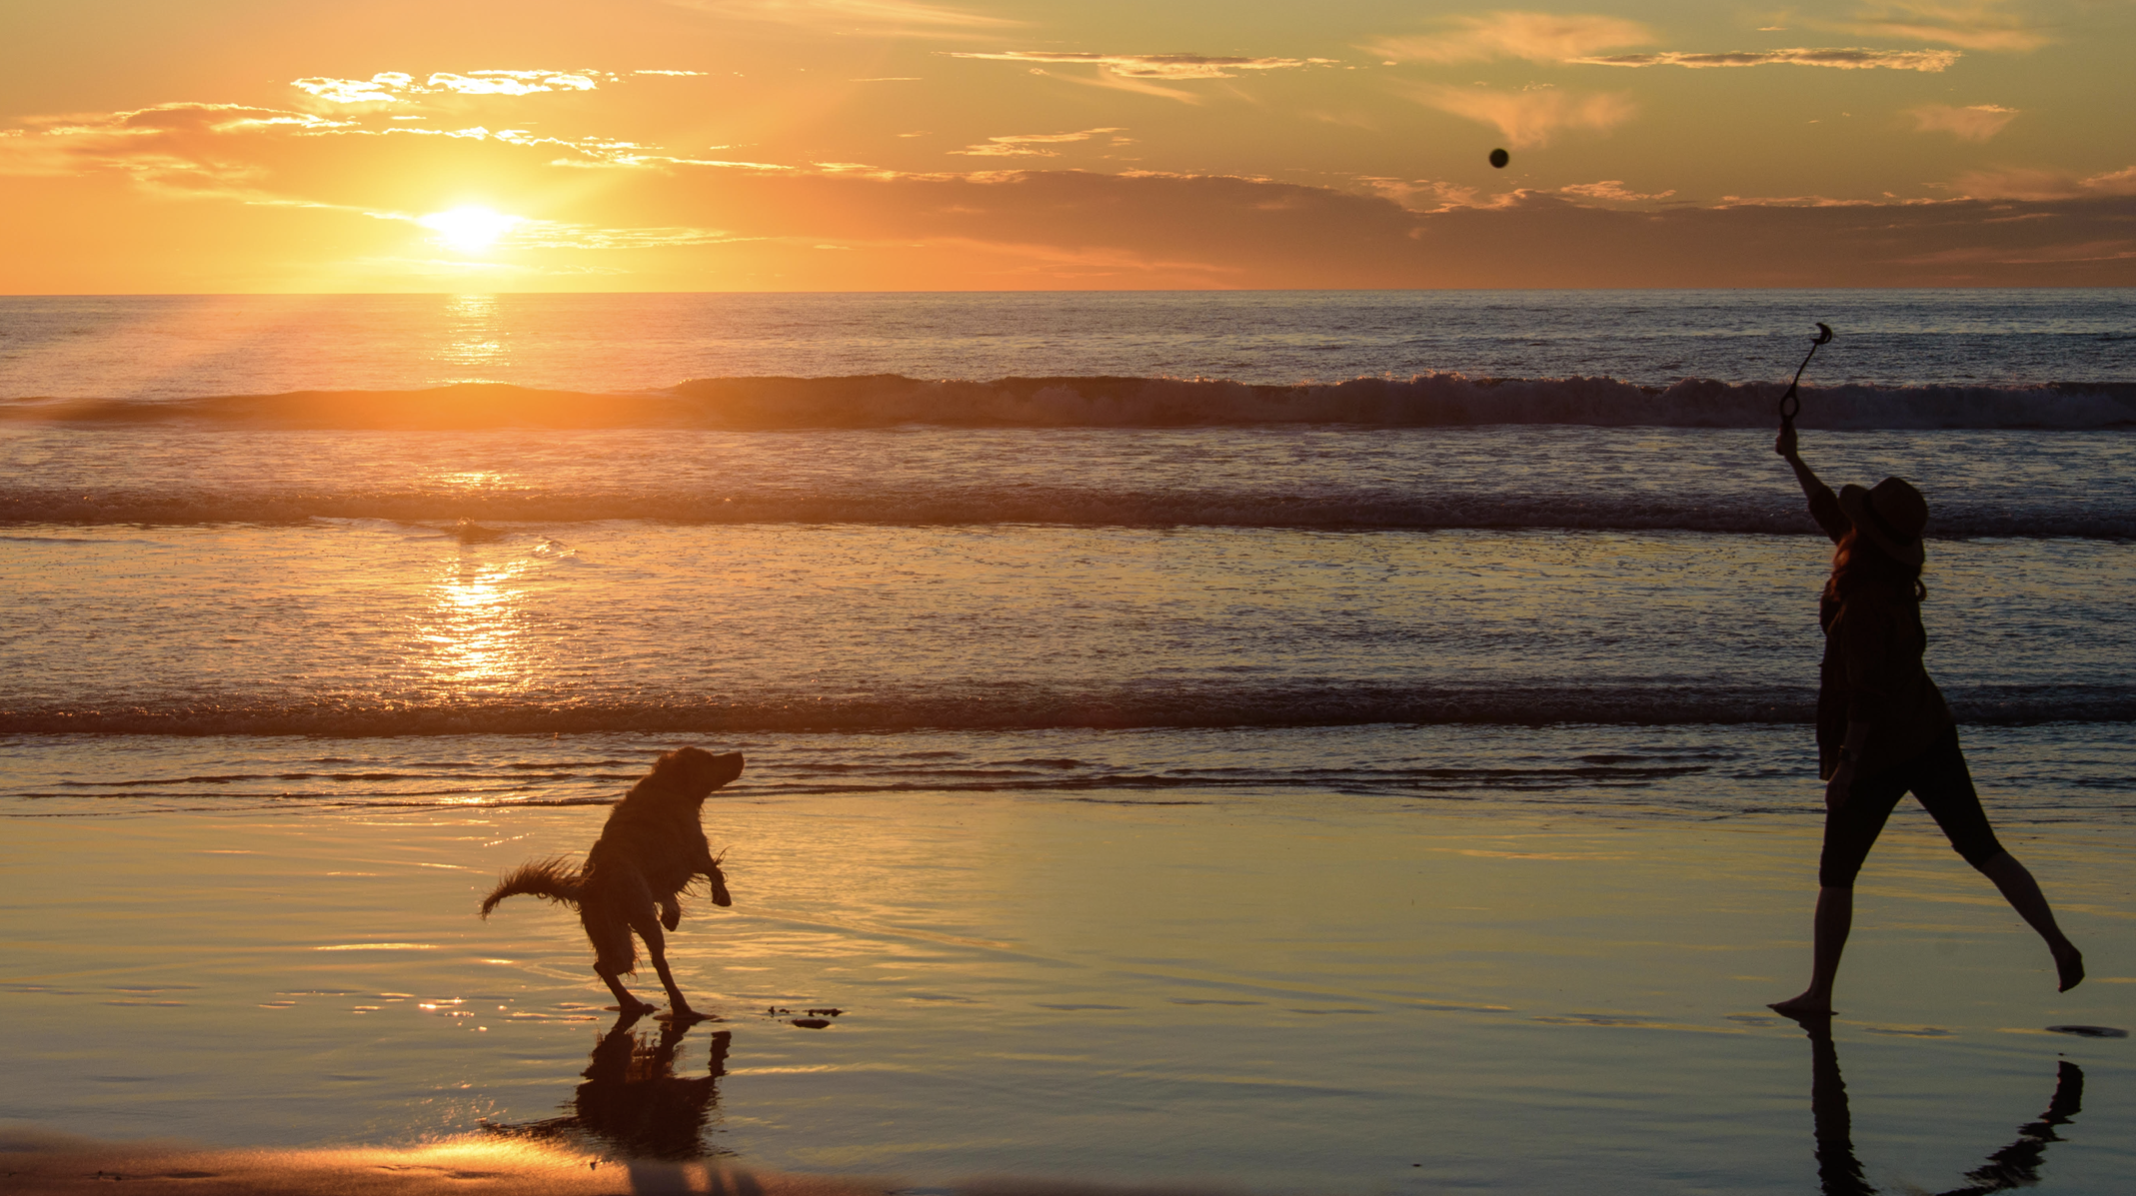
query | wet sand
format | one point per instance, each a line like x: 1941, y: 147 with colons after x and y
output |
x: 46, y: 1162
x: 1272, y: 994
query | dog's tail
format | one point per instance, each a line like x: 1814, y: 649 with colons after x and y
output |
x: 553, y: 879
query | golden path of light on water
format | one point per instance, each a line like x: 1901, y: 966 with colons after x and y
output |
x: 476, y: 347
x: 470, y: 479
x: 471, y: 639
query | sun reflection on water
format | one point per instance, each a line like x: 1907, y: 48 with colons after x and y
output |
x: 475, y: 341
x: 473, y: 636
x: 468, y: 479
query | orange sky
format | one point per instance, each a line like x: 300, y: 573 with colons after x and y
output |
x: 252, y: 145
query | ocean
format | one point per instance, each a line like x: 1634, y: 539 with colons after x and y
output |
x: 1047, y: 593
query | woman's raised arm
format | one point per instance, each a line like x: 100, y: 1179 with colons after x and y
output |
x: 1824, y: 505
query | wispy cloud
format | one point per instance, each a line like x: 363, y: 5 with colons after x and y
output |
x: 1977, y: 122
x: 1112, y: 80
x: 1536, y: 36
x: 1848, y: 59
x: 1795, y: 201
x: 1153, y: 66
x: 2079, y: 253
x: 1973, y: 24
x: 593, y: 151
x: 157, y: 146
x: 631, y: 156
x: 383, y: 88
x: 1027, y: 145
x: 881, y: 18
x: 217, y: 149
x: 1612, y: 191
x: 2043, y: 184
x: 1530, y: 117
x: 1432, y: 195
x: 393, y: 87
x: 550, y: 234
x: 1580, y: 39
x: 509, y: 83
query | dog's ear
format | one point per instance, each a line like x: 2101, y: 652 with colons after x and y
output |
x: 676, y: 768
x: 666, y: 765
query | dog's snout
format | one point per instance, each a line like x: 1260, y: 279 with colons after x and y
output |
x: 727, y: 767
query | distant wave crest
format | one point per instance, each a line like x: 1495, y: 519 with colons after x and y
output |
x: 1426, y: 400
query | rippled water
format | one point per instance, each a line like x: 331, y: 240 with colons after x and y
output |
x: 1981, y: 483
x: 2034, y: 775
x: 229, y: 572
x: 235, y: 574
x: 754, y: 627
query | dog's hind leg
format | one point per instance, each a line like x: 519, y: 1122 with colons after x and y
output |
x: 656, y: 946
x: 627, y: 1004
x: 613, y: 957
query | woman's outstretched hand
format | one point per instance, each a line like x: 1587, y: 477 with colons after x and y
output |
x: 1785, y: 443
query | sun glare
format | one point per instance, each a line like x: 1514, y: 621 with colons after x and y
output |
x: 469, y: 229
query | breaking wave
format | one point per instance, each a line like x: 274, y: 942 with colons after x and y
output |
x: 494, y: 516
x: 888, y: 400
x: 1324, y: 705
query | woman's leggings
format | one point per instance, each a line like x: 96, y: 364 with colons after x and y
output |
x: 1937, y: 777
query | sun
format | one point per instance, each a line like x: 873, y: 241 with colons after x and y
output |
x: 469, y: 229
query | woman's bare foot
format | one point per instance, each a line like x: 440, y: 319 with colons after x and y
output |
x: 1805, y: 1006
x: 2069, y: 965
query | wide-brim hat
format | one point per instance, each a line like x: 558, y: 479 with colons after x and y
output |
x: 1891, y: 514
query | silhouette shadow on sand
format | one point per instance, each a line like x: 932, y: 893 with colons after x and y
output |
x: 1840, y: 1172
x: 632, y: 1103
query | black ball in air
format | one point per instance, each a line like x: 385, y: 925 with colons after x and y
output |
x: 1499, y: 158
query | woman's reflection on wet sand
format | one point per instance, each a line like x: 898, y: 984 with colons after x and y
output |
x: 633, y: 1104
x: 1840, y: 1172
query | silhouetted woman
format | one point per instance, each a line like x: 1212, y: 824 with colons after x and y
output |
x: 1883, y: 729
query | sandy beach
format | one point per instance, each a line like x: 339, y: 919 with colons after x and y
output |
x: 1340, y: 994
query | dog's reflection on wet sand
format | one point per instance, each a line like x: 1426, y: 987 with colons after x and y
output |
x: 1840, y: 1172
x: 632, y: 1103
